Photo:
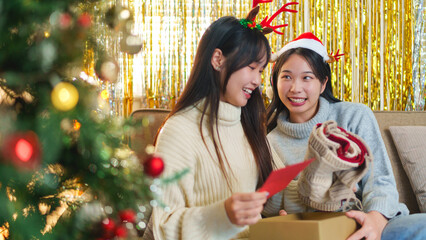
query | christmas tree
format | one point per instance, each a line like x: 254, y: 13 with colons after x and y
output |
x: 65, y: 169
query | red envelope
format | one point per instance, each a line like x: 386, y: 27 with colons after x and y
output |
x: 279, y: 179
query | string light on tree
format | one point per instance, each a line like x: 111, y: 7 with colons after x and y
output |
x: 64, y: 96
x: 22, y: 150
x: 104, y: 94
x: 66, y: 125
x: 76, y: 125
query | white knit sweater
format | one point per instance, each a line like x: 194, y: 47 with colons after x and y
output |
x: 196, y: 201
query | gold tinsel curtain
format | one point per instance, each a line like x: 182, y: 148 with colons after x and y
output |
x: 383, y: 41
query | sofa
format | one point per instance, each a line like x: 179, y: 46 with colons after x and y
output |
x: 405, y: 181
x: 388, y: 121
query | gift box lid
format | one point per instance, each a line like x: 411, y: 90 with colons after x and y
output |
x: 304, y: 226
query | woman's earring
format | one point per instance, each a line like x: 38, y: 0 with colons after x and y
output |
x: 217, y: 68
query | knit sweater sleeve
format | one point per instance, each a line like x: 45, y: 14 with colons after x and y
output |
x: 181, y: 219
x: 378, y: 187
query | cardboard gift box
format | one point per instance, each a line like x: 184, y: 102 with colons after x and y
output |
x: 304, y: 226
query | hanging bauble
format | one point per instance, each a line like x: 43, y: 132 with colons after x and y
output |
x: 108, y: 225
x: 65, y: 20
x: 64, y: 96
x: 107, y: 70
x: 85, y: 20
x: 131, y: 44
x: 120, y: 232
x: 153, y: 166
x: 127, y: 216
x: 22, y: 150
x: 117, y: 18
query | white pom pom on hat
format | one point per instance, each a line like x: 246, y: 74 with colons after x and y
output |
x: 305, y: 40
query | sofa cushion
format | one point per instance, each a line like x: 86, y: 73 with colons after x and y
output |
x: 400, y: 118
x: 410, y: 144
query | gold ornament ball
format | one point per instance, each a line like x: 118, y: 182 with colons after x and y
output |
x: 131, y: 44
x: 118, y: 17
x: 64, y: 96
x: 107, y: 70
x: 110, y: 71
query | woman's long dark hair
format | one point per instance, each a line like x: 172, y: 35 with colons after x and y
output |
x: 241, y: 47
x: 321, y: 70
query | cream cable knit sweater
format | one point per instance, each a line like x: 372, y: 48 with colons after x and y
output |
x: 196, y: 202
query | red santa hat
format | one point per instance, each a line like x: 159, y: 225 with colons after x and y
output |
x: 306, y: 40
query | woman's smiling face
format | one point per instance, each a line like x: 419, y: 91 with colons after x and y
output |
x: 299, y: 89
x: 242, y: 83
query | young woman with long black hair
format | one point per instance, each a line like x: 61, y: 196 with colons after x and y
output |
x: 217, y: 131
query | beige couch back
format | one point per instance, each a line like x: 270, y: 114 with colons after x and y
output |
x: 398, y: 118
x: 153, y: 118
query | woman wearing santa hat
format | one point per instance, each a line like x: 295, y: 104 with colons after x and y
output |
x: 302, y: 99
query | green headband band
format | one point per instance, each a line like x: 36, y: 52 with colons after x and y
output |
x: 250, y: 24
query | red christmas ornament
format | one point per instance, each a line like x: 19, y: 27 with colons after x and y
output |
x: 127, y: 216
x: 85, y: 20
x: 65, y: 20
x: 22, y: 150
x: 153, y: 166
x: 108, y: 225
x: 121, y: 232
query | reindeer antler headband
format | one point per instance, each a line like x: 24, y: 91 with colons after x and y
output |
x: 265, y: 25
